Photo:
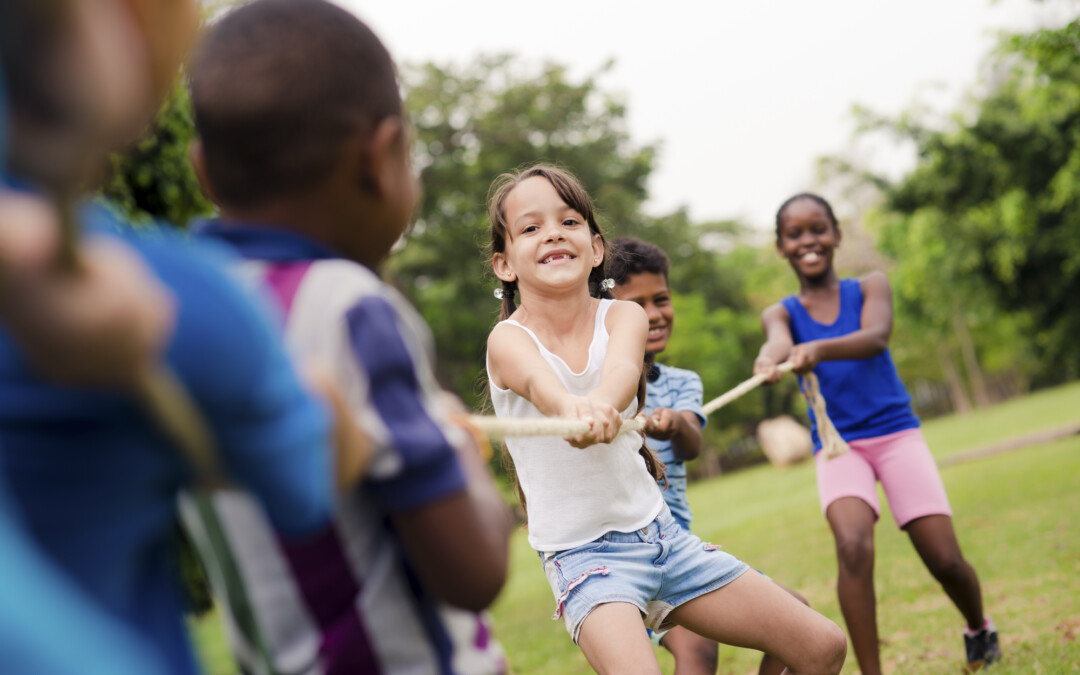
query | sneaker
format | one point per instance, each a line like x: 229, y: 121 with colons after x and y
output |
x: 656, y: 636
x: 981, y: 646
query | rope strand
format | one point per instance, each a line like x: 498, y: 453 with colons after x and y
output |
x: 832, y: 444
x: 740, y: 390
x: 501, y: 427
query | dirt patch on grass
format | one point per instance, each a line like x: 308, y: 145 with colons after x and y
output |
x: 1014, y: 443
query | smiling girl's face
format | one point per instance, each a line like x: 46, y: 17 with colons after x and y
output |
x: 549, y: 244
x: 807, y: 237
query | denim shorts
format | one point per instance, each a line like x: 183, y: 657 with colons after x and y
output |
x: 656, y: 569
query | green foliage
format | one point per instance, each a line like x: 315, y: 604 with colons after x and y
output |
x: 197, y: 598
x: 153, y: 180
x: 992, y: 210
x: 472, y: 123
x: 706, y: 258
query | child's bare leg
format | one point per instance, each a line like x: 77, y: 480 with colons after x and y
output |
x: 754, y: 612
x: 694, y: 654
x: 852, y: 522
x: 770, y: 665
x: 614, y: 640
x: 935, y: 540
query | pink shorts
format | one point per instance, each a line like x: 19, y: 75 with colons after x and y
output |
x: 903, y: 464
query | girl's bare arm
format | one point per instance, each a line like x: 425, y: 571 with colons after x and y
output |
x: 628, y: 326
x: 776, y: 323
x: 516, y: 364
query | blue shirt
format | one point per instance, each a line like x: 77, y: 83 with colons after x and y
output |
x: 47, y: 626
x: 96, y: 481
x: 865, y: 397
x: 678, y: 389
x: 50, y: 627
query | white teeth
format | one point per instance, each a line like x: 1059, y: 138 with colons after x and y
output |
x: 557, y: 256
x: 810, y: 257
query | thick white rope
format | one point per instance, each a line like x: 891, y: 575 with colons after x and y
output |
x: 501, y: 427
x: 739, y: 390
x: 832, y: 444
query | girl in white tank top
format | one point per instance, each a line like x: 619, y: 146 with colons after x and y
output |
x: 621, y: 493
x: 612, y: 553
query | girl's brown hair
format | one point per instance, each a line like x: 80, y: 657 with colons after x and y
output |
x: 573, y: 194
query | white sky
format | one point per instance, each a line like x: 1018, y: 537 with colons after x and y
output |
x: 742, y: 96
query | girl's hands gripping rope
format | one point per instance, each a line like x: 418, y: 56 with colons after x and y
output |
x: 603, y: 420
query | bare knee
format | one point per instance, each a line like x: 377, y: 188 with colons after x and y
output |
x: 947, y: 567
x: 855, y: 552
x: 818, y: 648
x: 703, y: 657
x: 693, y: 653
x: 824, y: 654
x: 834, y: 650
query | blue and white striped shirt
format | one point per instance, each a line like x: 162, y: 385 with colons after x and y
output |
x: 346, y: 601
x: 679, y: 390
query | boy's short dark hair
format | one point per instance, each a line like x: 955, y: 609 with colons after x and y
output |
x: 630, y: 256
x: 277, y: 87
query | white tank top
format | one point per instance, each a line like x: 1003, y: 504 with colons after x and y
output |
x: 573, y: 495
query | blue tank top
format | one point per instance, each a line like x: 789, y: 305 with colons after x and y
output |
x: 864, y: 398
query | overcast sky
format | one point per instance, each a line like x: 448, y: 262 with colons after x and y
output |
x: 741, y: 96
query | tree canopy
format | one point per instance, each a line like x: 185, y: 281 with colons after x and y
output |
x: 986, y: 226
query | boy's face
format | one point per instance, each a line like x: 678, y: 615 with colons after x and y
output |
x: 401, y: 199
x: 650, y: 290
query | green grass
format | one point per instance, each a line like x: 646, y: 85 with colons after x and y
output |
x: 1042, y: 410
x: 1015, y: 515
x: 208, y: 635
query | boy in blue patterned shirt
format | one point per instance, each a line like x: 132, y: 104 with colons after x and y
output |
x: 303, y: 145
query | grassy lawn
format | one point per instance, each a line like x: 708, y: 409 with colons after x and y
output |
x: 1015, y: 514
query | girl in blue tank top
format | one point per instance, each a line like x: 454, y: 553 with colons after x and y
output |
x: 839, y: 329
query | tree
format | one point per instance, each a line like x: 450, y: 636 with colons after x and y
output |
x: 994, y: 203
x: 472, y: 123
x: 982, y: 233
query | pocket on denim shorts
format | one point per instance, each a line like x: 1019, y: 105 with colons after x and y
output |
x: 560, y: 567
x: 568, y: 569
x: 565, y: 557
